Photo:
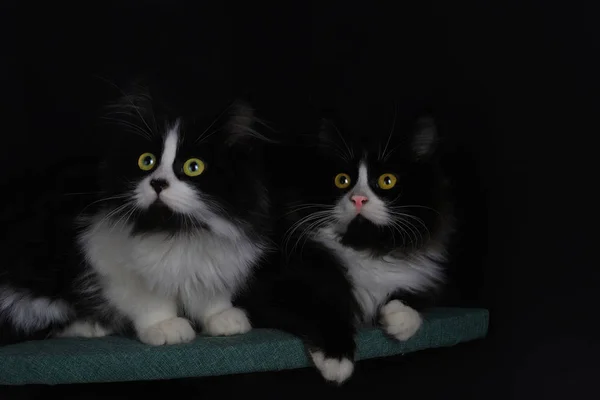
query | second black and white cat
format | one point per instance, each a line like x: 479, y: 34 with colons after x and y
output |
x: 365, y: 222
x: 180, y: 220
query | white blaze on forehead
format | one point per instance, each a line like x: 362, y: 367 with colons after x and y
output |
x: 145, y: 194
x: 362, y: 185
x: 170, y: 149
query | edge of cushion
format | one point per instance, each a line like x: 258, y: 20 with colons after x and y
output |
x: 118, y: 359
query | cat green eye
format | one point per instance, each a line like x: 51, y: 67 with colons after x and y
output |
x: 387, y: 181
x: 193, y: 167
x: 342, y: 180
x: 146, y: 161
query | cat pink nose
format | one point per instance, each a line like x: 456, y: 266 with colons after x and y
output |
x: 359, y: 201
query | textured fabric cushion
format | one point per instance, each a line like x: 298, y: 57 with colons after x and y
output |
x: 110, y: 359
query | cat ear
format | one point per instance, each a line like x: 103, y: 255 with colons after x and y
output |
x: 243, y: 126
x: 325, y: 125
x: 326, y: 133
x: 424, y: 137
x: 331, y: 139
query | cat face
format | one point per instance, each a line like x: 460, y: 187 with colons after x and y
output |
x: 379, y: 192
x: 175, y: 173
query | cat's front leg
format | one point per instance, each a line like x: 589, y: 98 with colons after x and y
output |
x: 154, y: 316
x: 399, y: 320
x: 334, y: 357
x: 330, y: 340
x: 218, y: 316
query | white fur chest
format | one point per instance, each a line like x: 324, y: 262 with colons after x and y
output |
x: 375, y: 279
x: 202, y: 262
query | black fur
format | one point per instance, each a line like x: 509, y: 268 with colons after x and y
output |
x: 40, y: 209
x: 307, y: 291
x: 309, y: 296
x: 38, y: 234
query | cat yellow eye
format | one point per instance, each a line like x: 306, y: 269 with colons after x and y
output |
x: 387, y: 181
x: 146, y: 161
x: 342, y: 180
x: 193, y: 167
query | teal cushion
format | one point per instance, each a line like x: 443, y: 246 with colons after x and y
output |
x: 111, y: 359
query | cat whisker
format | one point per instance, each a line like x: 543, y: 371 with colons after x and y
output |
x: 350, y: 152
x: 415, y: 206
x: 304, y: 234
x: 417, y: 219
x: 125, y: 213
x: 304, y: 219
x: 264, y: 123
x: 405, y: 233
x: 206, y: 137
x: 135, y: 128
x: 306, y: 206
x: 213, y: 205
x: 117, y: 197
x: 131, y: 104
x: 411, y: 232
x: 290, y: 232
x: 398, y: 228
x: 130, y: 214
x: 109, y: 215
x: 395, y: 199
x: 415, y: 228
x: 389, y: 154
x: 253, y: 132
x: 200, y: 138
x: 315, y: 227
x: 116, y: 211
x: 339, y: 151
x: 80, y: 193
x: 383, y: 155
x: 309, y: 218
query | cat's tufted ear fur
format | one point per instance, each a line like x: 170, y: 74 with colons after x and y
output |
x: 425, y: 137
x: 326, y: 131
x: 243, y: 126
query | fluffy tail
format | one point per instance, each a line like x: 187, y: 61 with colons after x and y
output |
x: 24, y: 316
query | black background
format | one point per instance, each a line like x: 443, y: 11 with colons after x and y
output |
x: 515, y: 80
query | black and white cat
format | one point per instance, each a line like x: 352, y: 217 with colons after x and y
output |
x: 181, y: 221
x: 365, y: 234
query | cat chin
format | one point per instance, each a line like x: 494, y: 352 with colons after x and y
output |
x: 363, y: 234
x: 358, y: 231
x: 161, y: 218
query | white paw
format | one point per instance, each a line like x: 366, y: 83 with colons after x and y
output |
x: 232, y: 321
x: 85, y: 329
x: 170, y: 331
x: 332, y: 369
x: 399, y: 320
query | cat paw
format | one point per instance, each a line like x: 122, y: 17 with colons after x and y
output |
x: 399, y: 320
x: 170, y: 331
x: 85, y: 329
x: 333, y: 369
x: 232, y: 321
